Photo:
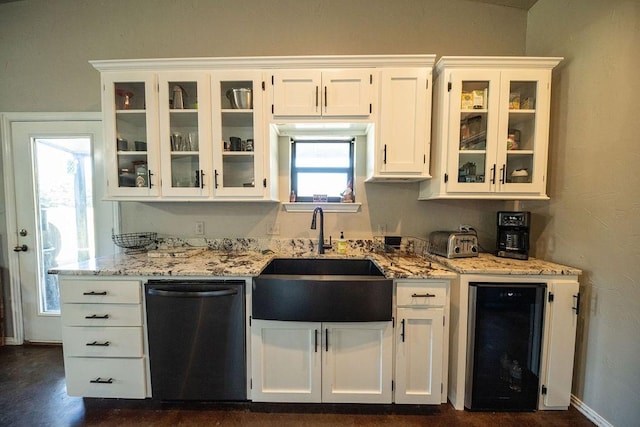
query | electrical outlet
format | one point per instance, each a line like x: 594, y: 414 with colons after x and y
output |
x: 273, y: 229
x: 199, y: 230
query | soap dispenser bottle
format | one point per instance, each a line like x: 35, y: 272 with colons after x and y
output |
x: 342, y: 244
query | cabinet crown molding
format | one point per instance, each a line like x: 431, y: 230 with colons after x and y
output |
x: 266, y: 62
x: 501, y: 62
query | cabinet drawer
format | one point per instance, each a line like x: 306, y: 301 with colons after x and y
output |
x: 101, y: 315
x: 102, y: 342
x: 421, y: 294
x: 101, y: 291
x: 101, y: 377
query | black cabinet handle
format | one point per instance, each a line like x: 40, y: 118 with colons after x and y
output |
x: 95, y: 316
x: 427, y: 295
x: 201, y: 179
x: 101, y: 381
x: 325, y: 98
x: 384, y: 158
x: 95, y: 293
x: 316, y: 98
x: 326, y: 339
x: 316, y: 340
x: 493, y: 174
x: 502, y: 173
x: 149, y: 175
x: 402, y: 333
x: 576, y: 308
x: 215, y: 178
x: 98, y: 344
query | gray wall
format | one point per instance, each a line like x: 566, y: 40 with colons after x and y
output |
x: 45, y: 46
x: 593, y: 218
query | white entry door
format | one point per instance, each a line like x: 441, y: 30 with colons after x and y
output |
x: 59, y: 215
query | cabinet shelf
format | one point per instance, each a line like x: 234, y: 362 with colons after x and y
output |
x: 519, y: 152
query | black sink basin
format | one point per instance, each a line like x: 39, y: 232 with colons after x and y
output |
x: 322, y: 290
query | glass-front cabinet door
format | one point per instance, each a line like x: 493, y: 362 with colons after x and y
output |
x: 473, y: 126
x: 129, y: 110
x: 185, y: 133
x: 238, y: 141
x: 523, y: 129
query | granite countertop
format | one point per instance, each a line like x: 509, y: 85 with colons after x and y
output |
x: 490, y: 264
x: 247, y: 258
x: 238, y: 264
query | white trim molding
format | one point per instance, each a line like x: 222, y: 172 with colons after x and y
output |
x: 592, y: 415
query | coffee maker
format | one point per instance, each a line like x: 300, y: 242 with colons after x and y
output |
x: 513, y: 235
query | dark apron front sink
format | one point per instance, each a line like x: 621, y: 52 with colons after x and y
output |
x: 322, y: 290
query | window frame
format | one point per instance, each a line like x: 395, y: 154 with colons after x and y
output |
x: 350, y: 170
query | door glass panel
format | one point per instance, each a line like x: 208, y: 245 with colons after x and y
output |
x: 131, y: 134
x: 521, y: 131
x: 238, y: 160
x: 64, y: 204
x: 184, y: 133
x: 473, y: 131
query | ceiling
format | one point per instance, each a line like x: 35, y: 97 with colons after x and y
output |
x: 519, y: 4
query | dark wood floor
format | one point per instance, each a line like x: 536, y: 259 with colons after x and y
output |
x: 32, y: 393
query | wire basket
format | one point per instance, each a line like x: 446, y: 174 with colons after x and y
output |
x: 134, y: 242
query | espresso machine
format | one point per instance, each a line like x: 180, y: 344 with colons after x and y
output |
x: 513, y: 234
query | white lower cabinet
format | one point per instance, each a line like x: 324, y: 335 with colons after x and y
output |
x: 102, y: 338
x: 321, y: 362
x: 420, y: 341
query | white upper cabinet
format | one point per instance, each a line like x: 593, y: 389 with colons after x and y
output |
x: 398, y: 149
x: 327, y: 93
x: 491, y: 128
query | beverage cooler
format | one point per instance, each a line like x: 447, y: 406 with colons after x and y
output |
x: 504, y: 346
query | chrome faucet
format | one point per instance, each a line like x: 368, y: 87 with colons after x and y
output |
x: 321, y: 245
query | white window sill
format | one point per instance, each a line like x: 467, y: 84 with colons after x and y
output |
x: 326, y: 207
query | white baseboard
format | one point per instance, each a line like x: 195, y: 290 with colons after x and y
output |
x: 10, y: 341
x: 592, y: 415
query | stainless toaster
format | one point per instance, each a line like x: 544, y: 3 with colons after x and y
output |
x: 453, y: 244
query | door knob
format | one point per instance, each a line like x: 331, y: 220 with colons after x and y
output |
x: 20, y: 248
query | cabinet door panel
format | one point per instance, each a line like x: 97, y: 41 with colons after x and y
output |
x: 523, y: 131
x: 285, y: 361
x: 239, y: 143
x: 419, y: 346
x: 357, y: 362
x: 473, y: 106
x: 404, y: 121
x: 346, y: 93
x: 129, y: 105
x: 296, y: 93
x: 561, y: 344
x: 185, y: 133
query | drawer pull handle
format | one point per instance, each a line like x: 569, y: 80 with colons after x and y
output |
x: 423, y: 296
x: 95, y: 316
x: 95, y: 293
x: 99, y: 344
x: 101, y: 381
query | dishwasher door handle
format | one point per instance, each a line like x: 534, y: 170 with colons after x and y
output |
x: 193, y: 294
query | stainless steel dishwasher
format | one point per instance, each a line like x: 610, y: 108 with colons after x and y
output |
x: 197, y: 339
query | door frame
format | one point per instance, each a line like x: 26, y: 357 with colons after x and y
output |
x: 6, y: 122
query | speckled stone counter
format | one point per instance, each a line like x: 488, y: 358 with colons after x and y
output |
x: 247, y: 258
x: 491, y: 264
